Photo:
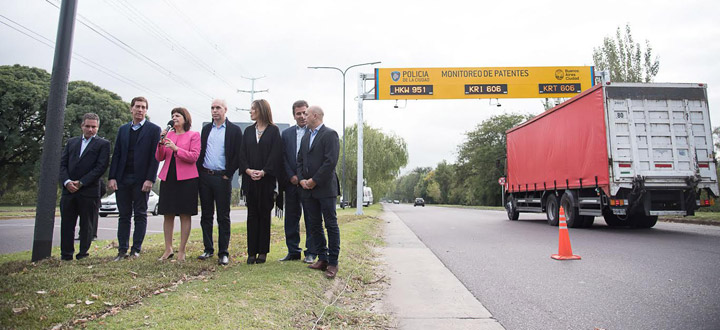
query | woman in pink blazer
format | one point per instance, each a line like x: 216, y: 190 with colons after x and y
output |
x: 179, y: 186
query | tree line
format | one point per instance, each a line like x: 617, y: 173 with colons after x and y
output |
x: 472, y: 180
x: 23, y: 107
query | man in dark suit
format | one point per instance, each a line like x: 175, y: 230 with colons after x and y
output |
x: 293, y: 208
x: 219, y: 148
x: 132, y: 173
x: 84, y: 160
x: 317, y: 159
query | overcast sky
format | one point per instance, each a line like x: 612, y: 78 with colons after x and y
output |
x: 206, y: 47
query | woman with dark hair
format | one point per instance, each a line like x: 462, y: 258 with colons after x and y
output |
x: 261, y: 162
x: 179, y: 186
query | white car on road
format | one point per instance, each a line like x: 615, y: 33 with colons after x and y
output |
x: 109, y: 206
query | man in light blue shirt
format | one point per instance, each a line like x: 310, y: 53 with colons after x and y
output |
x: 293, y: 208
x: 217, y: 163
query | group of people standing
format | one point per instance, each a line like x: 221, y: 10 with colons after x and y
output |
x: 298, y: 165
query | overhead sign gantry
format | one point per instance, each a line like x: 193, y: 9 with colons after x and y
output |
x: 466, y: 83
x: 476, y: 83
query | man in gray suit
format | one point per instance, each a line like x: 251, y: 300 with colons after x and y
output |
x: 84, y: 160
x: 293, y: 209
x: 317, y: 160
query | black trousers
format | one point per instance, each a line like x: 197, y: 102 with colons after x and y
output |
x: 131, y: 201
x: 72, y: 206
x: 259, y: 205
x: 215, y: 192
x: 319, y: 211
x: 95, y: 218
x: 293, y: 212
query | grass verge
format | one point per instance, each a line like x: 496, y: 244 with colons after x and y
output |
x: 98, y: 293
x: 17, y: 212
x: 478, y: 207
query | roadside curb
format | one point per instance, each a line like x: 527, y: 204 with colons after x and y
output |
x: 423, y: 293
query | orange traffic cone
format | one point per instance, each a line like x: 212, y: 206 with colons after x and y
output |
x: 564, y: 250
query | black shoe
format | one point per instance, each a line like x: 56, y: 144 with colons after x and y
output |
x: 309, y: 259
x: 121, y: 256
x: 66, y: 258
x: 81, y: 256
x: 291, y: 256
x: 224, y: 260
x: 205, y: 256
x: 251, y: 260
x: 261, y: 258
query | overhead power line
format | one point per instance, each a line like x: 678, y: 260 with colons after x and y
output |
x: 147, y: 24
x: 204, y: 36
x: 134, y: 52
x: 92, y: 64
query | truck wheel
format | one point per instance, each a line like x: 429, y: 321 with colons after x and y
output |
x: 571, y: 212
x: 643, y: 221
x: 613, y: 220
x: 552, y: 209
x: 511, y: 207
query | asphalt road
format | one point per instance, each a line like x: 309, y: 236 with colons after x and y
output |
x: 17, y: 234
x: 667, y: 277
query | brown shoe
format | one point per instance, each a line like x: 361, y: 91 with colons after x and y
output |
x: 331, y: 271
x: 319, y: 265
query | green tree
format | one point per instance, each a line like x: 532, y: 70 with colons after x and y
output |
x: 23, y: 107
x: 624, y: 58
x: 444, y: 176
x: 405, y: 185
x: 478, y: 157
x: 428, y: 188
x: 84, y: 97
x: 23, y: 104
x: 383, y: 157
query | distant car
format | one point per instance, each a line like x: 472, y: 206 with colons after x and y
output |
x: 109, y: 206
x: 419, y: 201
x: 396, y: 202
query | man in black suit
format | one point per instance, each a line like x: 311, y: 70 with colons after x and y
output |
x: 84, y: 160
x: 220, y: 146
x: 132, y: 173
x: 293, y: 209
x: 317, y: 159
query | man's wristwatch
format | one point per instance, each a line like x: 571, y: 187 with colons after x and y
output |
x: 80, y: 184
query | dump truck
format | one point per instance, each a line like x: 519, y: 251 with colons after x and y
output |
x: 628, y: 152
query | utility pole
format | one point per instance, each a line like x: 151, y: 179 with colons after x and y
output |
x: 52, y: 143
x: 252, y: 90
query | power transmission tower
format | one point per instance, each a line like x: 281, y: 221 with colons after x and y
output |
x: 252, y: 90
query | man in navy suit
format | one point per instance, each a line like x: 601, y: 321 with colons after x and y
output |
x: 317, y: 159
x: 132, y: 173
x: 84, y: 160
x: 293, y: 209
